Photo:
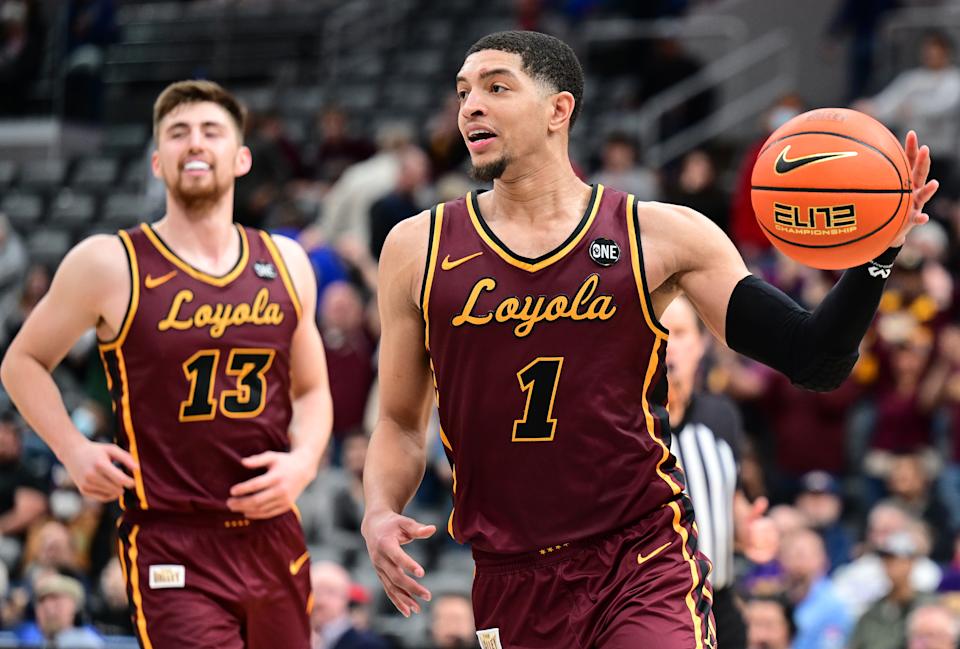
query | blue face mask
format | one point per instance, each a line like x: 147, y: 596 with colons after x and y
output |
x: 780, y: 116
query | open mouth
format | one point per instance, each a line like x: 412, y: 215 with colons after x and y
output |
x: 480, y: 135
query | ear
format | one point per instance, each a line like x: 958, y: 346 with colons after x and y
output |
x: 155, y: 163
x: 562, y: 105
x: 243, y: 162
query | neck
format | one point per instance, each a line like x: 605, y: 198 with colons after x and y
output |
x: 550, y: 186
x: 901, y: 593
x: 208, y: 236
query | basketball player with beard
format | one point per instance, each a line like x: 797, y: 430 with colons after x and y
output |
x: 207, y: 334
x: 529, y: 316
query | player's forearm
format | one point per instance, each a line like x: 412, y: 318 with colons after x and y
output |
x: 36, y: 396
x: 396, y: 461
x: 815, y: 350
x: 311, y: 424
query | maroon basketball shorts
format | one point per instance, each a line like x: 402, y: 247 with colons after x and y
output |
x: 216, y: 582
x: 642, y: 586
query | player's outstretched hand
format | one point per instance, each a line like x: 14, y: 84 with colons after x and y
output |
x: 274, y: 492
x: 384, y: 533
x: 918, y: 157
x: 91, y: 467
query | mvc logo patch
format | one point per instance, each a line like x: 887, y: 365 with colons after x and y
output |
x: 265, y: 270
x: 604, y: 252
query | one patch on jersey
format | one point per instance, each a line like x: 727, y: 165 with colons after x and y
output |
x: 489, y: 638
x: 265, y: 270
x: 167, y: 576
x: 605, y: 252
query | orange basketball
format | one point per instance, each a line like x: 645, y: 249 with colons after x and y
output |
x: 831, y: 188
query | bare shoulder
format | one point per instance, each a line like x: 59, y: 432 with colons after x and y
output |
x: 98, y: 261
x: 404, y: 255
x: 292, y: 252
x: 677, y: 239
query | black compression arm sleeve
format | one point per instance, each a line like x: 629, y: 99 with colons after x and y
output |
x: 815, y: 350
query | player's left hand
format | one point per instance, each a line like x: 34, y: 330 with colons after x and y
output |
x: 918, y: 157
x: 762, y: 540
x: 275, y: 491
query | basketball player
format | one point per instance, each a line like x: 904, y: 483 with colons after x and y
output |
x: 217, y: 372
x: 531, y: 312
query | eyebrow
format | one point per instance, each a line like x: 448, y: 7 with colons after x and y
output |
x: 490, y: 73
x: 206, y: 124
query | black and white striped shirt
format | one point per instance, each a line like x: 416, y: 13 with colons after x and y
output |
x: 707, y: 444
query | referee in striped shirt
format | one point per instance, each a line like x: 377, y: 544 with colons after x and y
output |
x: 707, y: 440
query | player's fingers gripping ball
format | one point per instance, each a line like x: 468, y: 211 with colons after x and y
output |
x: 831, y: 188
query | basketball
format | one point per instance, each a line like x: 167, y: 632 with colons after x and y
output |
x: 831, y: 188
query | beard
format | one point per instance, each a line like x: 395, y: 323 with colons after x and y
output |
x: 194, y: 196
x: 491, y: 170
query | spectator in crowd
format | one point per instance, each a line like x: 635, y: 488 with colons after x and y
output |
x: 821, y: 504
x: 822, y: 619
x: 330, y: 619
x: 278, y: 162
x: 405, y: 200
x: 451, y: 622
x: 864, y: 581
x: 336, y: 148
x: 58, y: 604
x: 23, y: 487
x: 22, y: 36
x: 883, y: 626
x: 769, y: 623
x: 859, y: 20
x: 347, y: 501
x: 109, y: 607
x: 350, y: 345
x: 16, y: 307
x: 925, y: 100
x: 620, y: 169
x: 444, y: 142
x: 674, y: 64
x: 696, y: 187
x: 91, y: 28
x: 909, y: 485
x: 932, y: 627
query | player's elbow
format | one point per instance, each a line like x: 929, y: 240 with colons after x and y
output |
x: 826, y: 372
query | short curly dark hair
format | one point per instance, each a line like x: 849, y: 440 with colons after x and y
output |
x: 544, y: 57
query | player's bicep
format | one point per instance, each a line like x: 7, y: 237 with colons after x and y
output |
x: 711, y: 267
x: 73, y: 304
x: 404, y: 369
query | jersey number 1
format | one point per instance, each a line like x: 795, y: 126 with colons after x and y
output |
x: 248, y: 366
x: 539, y: 380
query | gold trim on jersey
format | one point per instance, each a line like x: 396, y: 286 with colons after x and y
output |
x: 196, y: 273
x: 134, y: 301
x: 193, y: 376
x: 135, y: 589
x: 128, y: 425
x: 533, y: 266
x: 284, y: 273
x: 436, y: 223
x: 639, y: 275
x: 674, y: 487
x: 243, y: 394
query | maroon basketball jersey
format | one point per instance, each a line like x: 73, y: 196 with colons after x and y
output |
x: 550, y: 379
x: 200, y: 370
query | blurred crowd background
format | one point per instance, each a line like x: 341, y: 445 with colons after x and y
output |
x: 353, y: 128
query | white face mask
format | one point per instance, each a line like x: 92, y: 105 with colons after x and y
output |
x: 780, y: 116
x: 65, y: 504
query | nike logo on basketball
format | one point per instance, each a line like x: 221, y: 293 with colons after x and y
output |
x: 786, y: 165
x: 643, y: 559
x: 153, y: 282
x: 298, y: 563
x: 446, y: 264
